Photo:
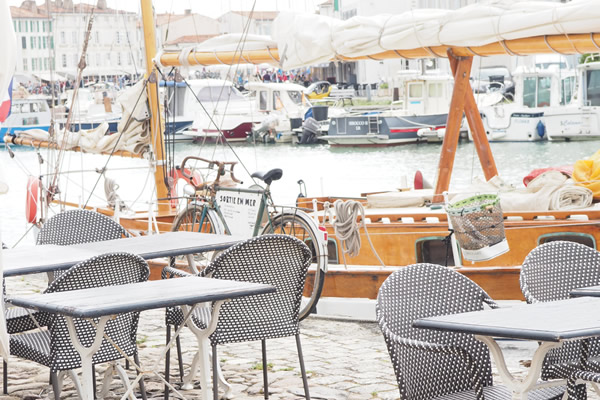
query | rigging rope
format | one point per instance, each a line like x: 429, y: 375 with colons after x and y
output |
x: 347, y: 227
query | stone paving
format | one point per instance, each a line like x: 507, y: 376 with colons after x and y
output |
x: 345, y: 360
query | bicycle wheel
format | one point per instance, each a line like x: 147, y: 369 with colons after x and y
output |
x: 301, y: 226
x: 196, y: 217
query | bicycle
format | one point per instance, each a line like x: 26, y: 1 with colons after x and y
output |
x: 215, y: 208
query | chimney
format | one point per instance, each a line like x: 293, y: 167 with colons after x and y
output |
x: 29, y: 5
x: 188, y: 12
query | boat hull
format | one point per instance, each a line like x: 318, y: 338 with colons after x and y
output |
x: 14, y: 130
x: 376, y: 130
x: 237, y: 134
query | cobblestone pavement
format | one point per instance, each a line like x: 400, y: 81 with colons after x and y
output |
x: 345, y: 360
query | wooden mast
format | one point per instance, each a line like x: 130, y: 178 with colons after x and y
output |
x: 156, y: 132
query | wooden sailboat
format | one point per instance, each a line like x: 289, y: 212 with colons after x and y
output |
x: 404, y: 236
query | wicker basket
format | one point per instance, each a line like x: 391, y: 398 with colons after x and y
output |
x: 479, y: 227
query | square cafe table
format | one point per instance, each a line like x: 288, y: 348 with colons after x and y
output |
x: 549, y: 323
x: 105, y: 302
x: 47, y: 257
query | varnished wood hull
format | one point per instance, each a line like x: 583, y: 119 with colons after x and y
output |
x: 396, y: 243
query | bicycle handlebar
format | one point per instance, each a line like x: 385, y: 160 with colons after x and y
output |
x: 221, y: 170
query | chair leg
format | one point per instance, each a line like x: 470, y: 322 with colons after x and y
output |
x: 4, y: 377
x: 215, y: 363
x: 136, y: 358
x: 179, y: 355
x: 55, y: 385
x: 94, y: 379
x: 168, y: 362
x: 302, y: 369
x: 263, y: 344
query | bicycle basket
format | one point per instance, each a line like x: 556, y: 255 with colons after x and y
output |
x: 479, y: 227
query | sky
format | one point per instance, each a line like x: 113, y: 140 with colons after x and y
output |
x: 210, y: 8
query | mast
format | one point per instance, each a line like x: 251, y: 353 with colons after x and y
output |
x: 156, y: 131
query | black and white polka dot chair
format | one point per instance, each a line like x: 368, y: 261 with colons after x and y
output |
x: 67, y: 228
x: 53, y: 348
x: 278, y: 260
x: 550, y: 272
x: 435, y: 364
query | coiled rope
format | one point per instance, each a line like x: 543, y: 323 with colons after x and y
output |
x: 347, y: 227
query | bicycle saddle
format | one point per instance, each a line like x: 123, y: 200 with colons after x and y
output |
x: 269, y: 176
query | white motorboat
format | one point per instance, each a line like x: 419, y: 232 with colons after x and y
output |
x: 538, y: 92
x: 579, y: 120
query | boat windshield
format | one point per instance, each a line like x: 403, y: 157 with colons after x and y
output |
x: 219, y: 93
x: 29, y: 107
x: 296, y: 96
x: 536, y: 91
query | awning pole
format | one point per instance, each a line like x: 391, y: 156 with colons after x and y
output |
x: 462, y: 87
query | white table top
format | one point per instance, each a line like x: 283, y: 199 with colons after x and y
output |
x: 551, y: 321
x: 46, y: 258
x: 110, y: 300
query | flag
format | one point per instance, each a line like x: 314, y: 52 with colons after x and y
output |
x: 6, y: 102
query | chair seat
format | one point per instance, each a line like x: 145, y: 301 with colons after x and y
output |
x: 34, y: 346
x: 18, y: 319
x: 502, y: 393
x: 201, y: 316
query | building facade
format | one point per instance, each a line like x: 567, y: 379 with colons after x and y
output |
x: 51, y: 37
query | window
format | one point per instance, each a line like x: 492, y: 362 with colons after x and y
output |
x: 592, y: 87
x: 31, y: 26
x: 37, y: 26
x: 63, y: 38
x: 98, y: 60
x: 24, y: 64
x: 23, y: 42
x: 49, y: 26
x: 435, y: 90
x: 277, y: 104
x: 64, y: 61
x: 262, y: 105
x: 582, y: 238
x: 45, y: 63
x: 74, y: 37
x: 415, y: 90
x: 75, y: 60
x: 15, y: 25
x: 296, y: 96
x: 44, y: 24
x: 118, y: 37
x: 433, y: 250
x: 118, y: 58
x: 220, y: 93
x: 32, y: 42
x: 33, y: 64
x: 51, y: 42
x: 97, y: 37
x: 45, y: 41
x: 567, y: 88
x: 543, y: 95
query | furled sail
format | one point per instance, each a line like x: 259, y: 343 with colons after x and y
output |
x: 133, y: 134
x: 304, y: 39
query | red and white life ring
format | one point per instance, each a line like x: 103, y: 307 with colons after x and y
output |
x: 175, y: 175
x: 32, y: 200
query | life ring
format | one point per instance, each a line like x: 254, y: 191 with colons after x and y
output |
x: 32, y: 200
x: 175, y: 175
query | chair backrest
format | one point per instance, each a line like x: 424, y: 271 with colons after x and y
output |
x: 552, y: 270
x: 278, y: 260
x: 79, y: 226
x: 427, y: 290
x: 105, y: 270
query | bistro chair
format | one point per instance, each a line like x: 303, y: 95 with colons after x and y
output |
x: 67, y: 228
x: 278, y: 260
x: 434, y: 364
x: 53, y: 348
x: 550, y: 272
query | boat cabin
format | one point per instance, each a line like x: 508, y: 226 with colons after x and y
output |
x: 25, y: 114
x: 424, y: 94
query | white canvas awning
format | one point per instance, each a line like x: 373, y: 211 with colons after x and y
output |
x: 307, y: 39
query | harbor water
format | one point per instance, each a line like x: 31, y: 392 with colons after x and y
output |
x: 325, y: 170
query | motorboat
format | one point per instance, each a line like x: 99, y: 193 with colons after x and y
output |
x: 277, y: 104
x: 579, y: 120
x: 25, y: 114
x: 422, y: 113
x: 538, y: 93
x: 219, y: 110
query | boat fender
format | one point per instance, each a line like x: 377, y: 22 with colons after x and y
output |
x: 420, y: 182
x: 540, y: 129
x: 32, y: 200
x: 176, y: 175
